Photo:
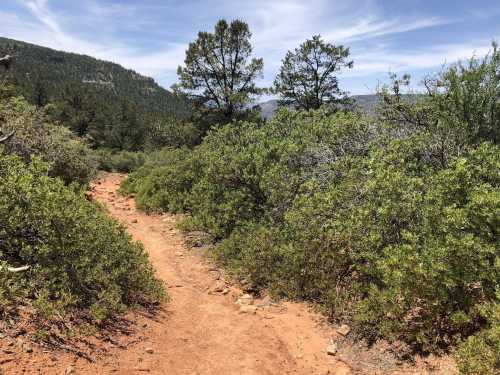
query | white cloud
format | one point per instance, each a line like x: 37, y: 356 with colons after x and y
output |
x: 373, y: 27
x: 383, y: 60
x: 49, y: 32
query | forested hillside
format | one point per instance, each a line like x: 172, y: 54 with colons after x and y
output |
x: 41, y: 73
x: 136, y: 113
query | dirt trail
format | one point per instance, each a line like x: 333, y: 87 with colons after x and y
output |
x: 199, y: 332
x: 204, y: 332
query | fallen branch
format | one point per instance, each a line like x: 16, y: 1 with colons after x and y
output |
x: 53, y: 344
x: 6, y: 137
x: 18, y: 269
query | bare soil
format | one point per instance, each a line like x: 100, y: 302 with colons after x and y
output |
x: 202, y: 329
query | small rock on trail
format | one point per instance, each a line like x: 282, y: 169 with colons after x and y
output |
x: 248, y: 309
x: 343, y: 330
x: 332, y: 349
x: 245, y: 299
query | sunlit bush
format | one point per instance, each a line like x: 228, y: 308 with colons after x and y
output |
x: 79, y: 259
x: 119, y: 161
x: 68, y: 157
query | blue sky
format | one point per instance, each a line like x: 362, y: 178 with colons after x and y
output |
x: 150, y: 36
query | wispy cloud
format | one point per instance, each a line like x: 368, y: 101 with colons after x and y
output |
x: 49, y: 32
x: 380, y: 61
x: 372, y: 27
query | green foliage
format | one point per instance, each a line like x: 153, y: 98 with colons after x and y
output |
x: 462, y: 108
x: 219, y: 75
x: 108, y: 105
x: 68, y: 157
x: 39, y: 67
x: 121, y: 161
x: 240, y: 173
x: 117, y: 124
x: 254, y: 171
x: 376, y: 235
x: 114, y: 124
x: 428, y: 245
x: 307, y: 77
x: 404, y: 253
x: 480, y: 353
x: 79, y: 259
x: 173, y: 133
x: 252, y: 252
x: 470, y: 104
x: 250, y: 171
x: 164, y: 181
x: 390, y: 223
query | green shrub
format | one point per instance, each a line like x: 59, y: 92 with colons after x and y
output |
x: 120, y: 161
x: 315, y: 206
x: 461, y: 110
x: 480, y: 354
x: 250, y: 173
x: 429, y: 243
x: 164, y: 181
x: 389, y: 223
x: 405, y: 252
x: 253, y: 253
x: 172, y: 133
x: 80, y: 260
x: 68, y: 157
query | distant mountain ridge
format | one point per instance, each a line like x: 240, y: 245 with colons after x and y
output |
x: 33, y: 64
x: 367, y: 103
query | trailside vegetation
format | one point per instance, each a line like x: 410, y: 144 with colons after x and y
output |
x: 67, y: 155
x: 108, y: 105
x: 61, y: 256
x: 73, y: 258
x: 388, y: 222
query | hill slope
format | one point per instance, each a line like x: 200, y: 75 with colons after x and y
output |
x: 34, y: 64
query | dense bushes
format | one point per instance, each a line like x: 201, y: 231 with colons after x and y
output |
x: 80, y: 260
x: 68, y: 157
x: 480, y: 353
x: 74, y: 259
x: 164, y: 181
x: 405, y: 253
x: 377, y: 235
x: 409, y: 241
x: 390, y: 223
x: 241, y: 173
x: 172, y: 132
x: 119, y: 161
